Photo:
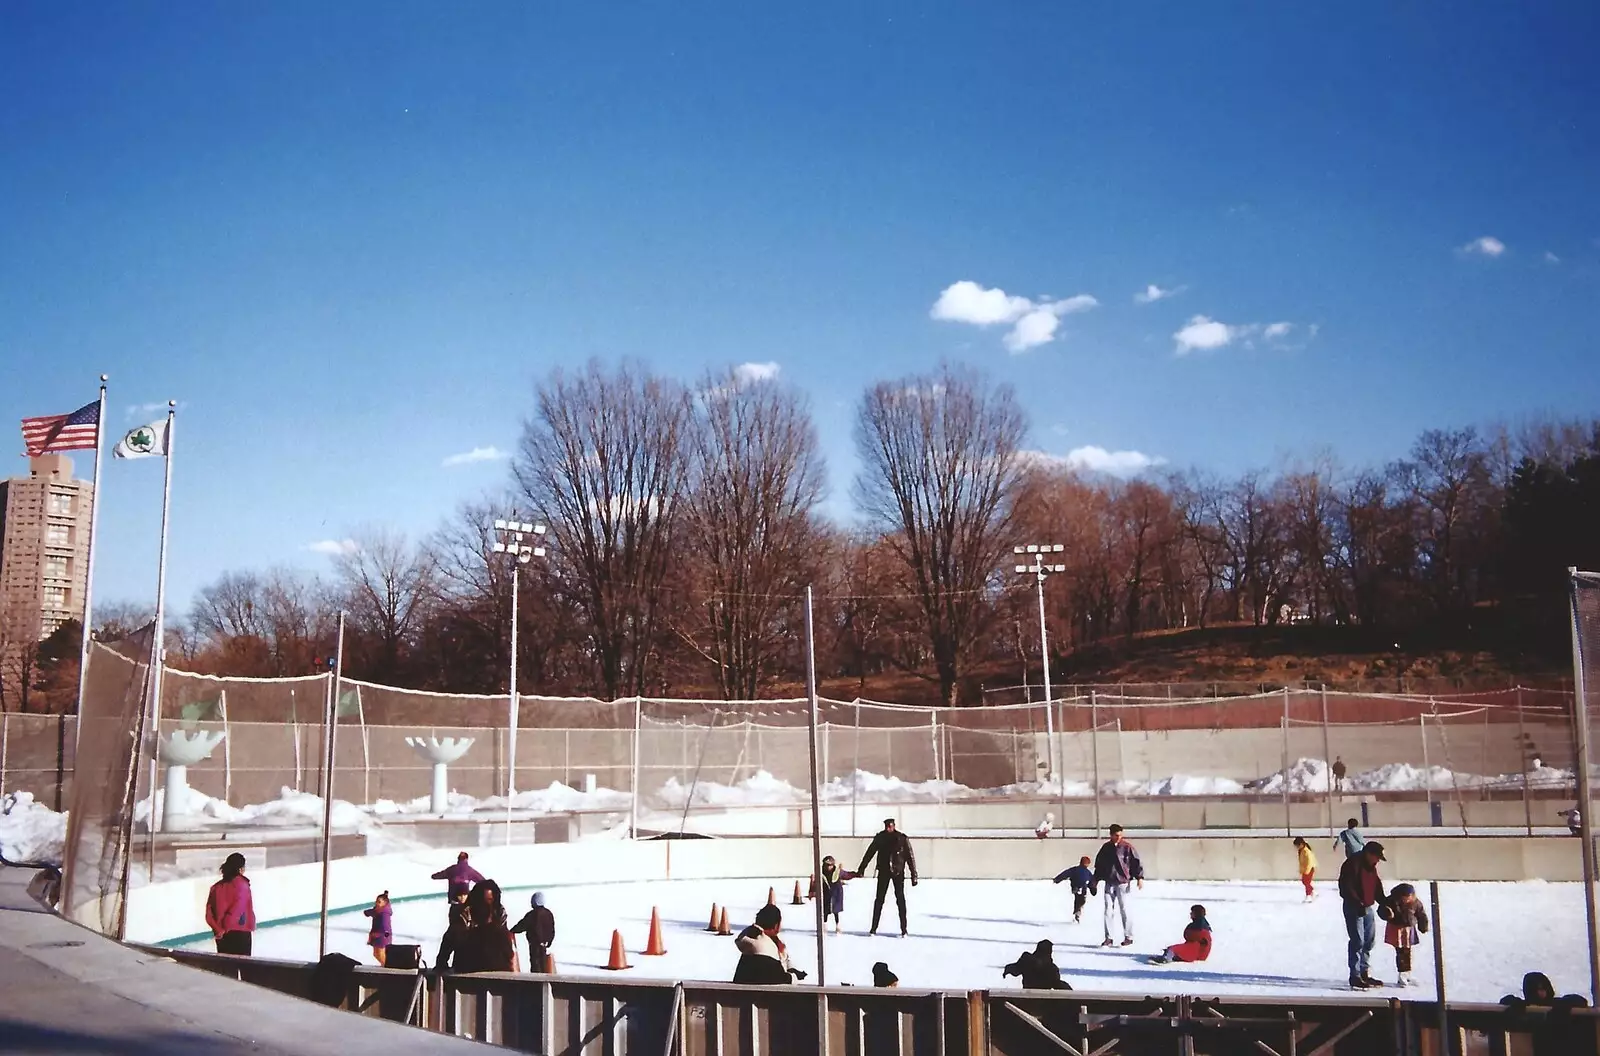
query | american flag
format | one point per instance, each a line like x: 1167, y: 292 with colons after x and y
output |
x: 63, y: 432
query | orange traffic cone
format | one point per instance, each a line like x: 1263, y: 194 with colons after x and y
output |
x: 798, y: 901
x: 812, y: 891
x: 619, y: 957
x: 656, y: 946
x: 772, y: 898
x: 722, y: 923
x: 712, y: 925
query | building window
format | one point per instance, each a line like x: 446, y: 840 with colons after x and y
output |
x: 60, y: 503
x: 55, y: 567
x: 59, y: 535
x: 55, y: 598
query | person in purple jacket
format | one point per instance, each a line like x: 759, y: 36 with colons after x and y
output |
x: 381, y: 934
x: 1115, y: 867
x: 460, y: 876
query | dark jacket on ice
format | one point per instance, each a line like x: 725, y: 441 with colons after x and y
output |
x: 1037, y: 969
x: 539, y: 924
x: 1557, y: 1034
x: 487, y: 945
x: 893, y: 851
x: 1118, y: 864
x: 1359, y: 884
x: 1080, y: 877
x: 460, y: 877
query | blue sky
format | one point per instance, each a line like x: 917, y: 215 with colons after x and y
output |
x: 348, y: 241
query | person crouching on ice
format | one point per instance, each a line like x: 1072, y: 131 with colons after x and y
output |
x: 1037, y: 969
x: 1407, y: 923
x: 763, y: 961
x: 1081, y: 878
x: 833, y: 878
x: 1196, y: 944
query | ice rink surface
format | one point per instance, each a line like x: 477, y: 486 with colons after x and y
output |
x: 1267, y: 940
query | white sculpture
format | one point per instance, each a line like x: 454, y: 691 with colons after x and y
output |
x: 180, y: 751
x: 441, y: 753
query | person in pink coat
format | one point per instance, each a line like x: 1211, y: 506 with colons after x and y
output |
x: 230, y: 912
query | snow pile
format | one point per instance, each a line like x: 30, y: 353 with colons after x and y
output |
x: 1184, y: 785
x: 1306, y: 775
x: 291, y: 808
x: 1403, y: 777
x: 30, y: 832
x: 759, y: 789
x: 556, y: 799
x: 876, y: 788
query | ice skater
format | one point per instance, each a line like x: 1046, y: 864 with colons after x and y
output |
x: 1042, y: 830
x: 1360, y: 891
x: 1350, y: 840
x: 1037, y: 969
x: 893, y: 851
x: 1407, y: 923
x: 1196, y: 944
x: 459, y: 877
x: 1307, y: 864
x: 832, y: 891
x: 381, y: 935
x: 1081, y: 879
x: 1116, y: 866
x: 539, y: 924
x: 455, y: 932
x: 1338, y: 775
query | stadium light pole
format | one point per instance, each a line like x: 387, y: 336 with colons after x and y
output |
x: 1039, y: 554
x: 509, y: 539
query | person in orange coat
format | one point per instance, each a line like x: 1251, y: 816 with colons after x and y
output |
x: 1196, y: 944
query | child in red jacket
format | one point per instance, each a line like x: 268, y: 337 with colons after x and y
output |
x: 1407, y: 923
x: 1196, y: 944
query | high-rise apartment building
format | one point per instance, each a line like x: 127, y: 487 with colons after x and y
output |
x: 44, y: 547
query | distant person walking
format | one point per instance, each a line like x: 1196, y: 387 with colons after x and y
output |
x: 1360, y: 891
x: 1115, y: 867
x: 893, y: 851
x: 1306, y: 862
x: 1350, y: 840
x: 381, y: 934
x: 1338, y: 774
x: 230, y: 911
x: 460, y: 876
x: 539, y: 924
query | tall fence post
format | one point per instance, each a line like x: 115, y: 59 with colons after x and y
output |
x: 1288, y: 816
x: 5, y: 744
x: 1445, y: 1048
x: 633, y: 817
x: 1522, y: 754
x: 1061, y: 777
x: 329, y: 731
x: 1094, y: 751
x: 1580, y: 736
x: 1427, y: 771
x: 1327, y: 758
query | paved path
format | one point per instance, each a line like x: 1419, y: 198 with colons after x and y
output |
x: 64, y: 989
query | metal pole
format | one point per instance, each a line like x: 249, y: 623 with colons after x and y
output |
x: 855, y: 771
x: 1580, y: 736
x: 1094, y: 751
x: 820, y: 911
x: 1044, y: 658
x: 1427, y: 771
x: 511, y: 741
x: 88, y: 592
x: 1327, y: 757
x: 1288, y: 820
x: 1062, y: 754
x: 1522, y: 753
x: 633, y: 817
x: 158, y: 652
x: 330, y: 729
x: 1438, y: 970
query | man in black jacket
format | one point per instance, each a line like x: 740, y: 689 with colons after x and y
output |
x: 893, y: 852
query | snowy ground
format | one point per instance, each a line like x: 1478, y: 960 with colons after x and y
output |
x: 963, y: 931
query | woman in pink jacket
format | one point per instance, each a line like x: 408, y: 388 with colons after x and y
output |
x: 230, y: 914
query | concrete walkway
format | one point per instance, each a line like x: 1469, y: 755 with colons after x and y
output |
x: 64, y: 989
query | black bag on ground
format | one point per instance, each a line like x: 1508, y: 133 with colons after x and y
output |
x: 330, y: 980
x: 408, y: 958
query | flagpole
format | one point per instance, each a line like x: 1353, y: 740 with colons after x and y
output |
x: 88, y: 583
x: 158, y: 650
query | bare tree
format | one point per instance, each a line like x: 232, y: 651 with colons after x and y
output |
x: 605, y: 461
x: 118, y: 619
x: 388, y: 585
x: 940, y: 470
x: 748, y: 527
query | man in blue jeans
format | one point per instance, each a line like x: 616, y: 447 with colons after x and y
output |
x: 1360, y: 890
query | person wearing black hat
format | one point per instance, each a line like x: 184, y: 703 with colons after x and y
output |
x: 893, y: 851
x: 230, y: 911
x: 1360, y: 891
x: 882, y: 976
x: 1037, y: 968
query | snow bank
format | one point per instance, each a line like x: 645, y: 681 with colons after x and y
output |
x: 290, y: 809
x: 876, y: 788
x: 558, y: 798
x: 30, y: 832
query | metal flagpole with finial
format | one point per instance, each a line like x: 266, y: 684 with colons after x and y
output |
x: 88, y: 576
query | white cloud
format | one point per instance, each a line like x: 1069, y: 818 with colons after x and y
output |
x: 1095, y: 459
x: 144, y: 410
x: 1486, y: 246
x: 1153, y: 293
x: 333, y: 547
x: 1204, y: 334
x: 752, y: 372
x: 1033, y: 323
x: 1551, y: 258
x: 477, y: 454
